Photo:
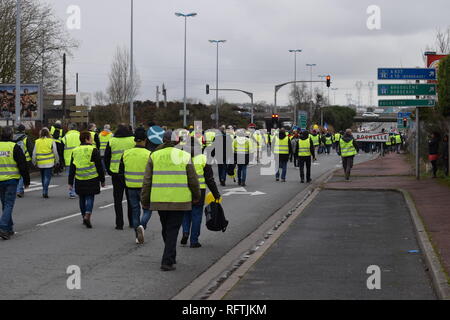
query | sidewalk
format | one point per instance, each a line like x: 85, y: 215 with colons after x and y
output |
x: 432, y: 199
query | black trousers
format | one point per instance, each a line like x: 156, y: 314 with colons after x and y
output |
x: 119, y: 189
x: 305, y: 161
x: 171, y: 223
x: 347, y: 164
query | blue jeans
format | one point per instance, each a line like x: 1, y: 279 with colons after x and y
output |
x: 71, y: 192
x: 86, y: 204
x: 192, y: 222
x: 242, y: 172
x: 46, y: 177
x: 8, y: 198
x: 134, y: 198
x: 283, y: 166
x: 222, y: 172
x: 20, y: 188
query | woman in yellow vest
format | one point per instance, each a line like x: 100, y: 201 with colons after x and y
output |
x: 241, y: 149
x: 132, y: 167
x: 193, y: 219
x: 348, y: 148
x: 70, y: 141
x: 45, y: 157
x: 13, y: 166
x: 86, y: 175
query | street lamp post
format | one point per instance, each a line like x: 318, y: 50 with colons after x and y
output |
x: 131, y: 68
x: 217, y: 79
x: 185, y: 16
x: 295, y: 51
x: 18, y: 30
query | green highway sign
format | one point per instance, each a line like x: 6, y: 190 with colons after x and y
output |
x: 407, y: 103
x: 406, y: 89
x: 302, y: 119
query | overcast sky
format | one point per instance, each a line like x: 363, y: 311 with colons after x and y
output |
x: 332, y: 34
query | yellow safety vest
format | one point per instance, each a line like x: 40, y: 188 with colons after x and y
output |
x: 328, y: 140
x: 44, y: 151
x: 398, y: 139
x: 200, y: 164
x: 71, y: 141
x: 337, y: 137
x: 281, y: 146
x: 8, y: 166
x: 209, y: 137
x: 118, y: 147
x: 388, y: 142
x: 135, y: 161
x: 347, y: 148
x: 52, y: 131
x: 85, y: 168
x: 315, y: 139
x: 170, y: 180
x: 304, y: 148
x: 241, y: 146
x: 104, y: 142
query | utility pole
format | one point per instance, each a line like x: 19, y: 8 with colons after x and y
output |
x: 295, y: 51
x: 358, y: 86
x: 157, y: 96
x: 131, y: 69
x: 18, y: 80
x: 217, y: 42
x: 77, y: 83
x: 164, y: 92
x: 64, y: 87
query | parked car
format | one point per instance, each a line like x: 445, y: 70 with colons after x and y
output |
x: 370, y: 114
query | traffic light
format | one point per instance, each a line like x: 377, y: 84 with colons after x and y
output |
x: 207, y: 89
x: 328, y: 81
x: 405, y: 123
x: 275, y: 118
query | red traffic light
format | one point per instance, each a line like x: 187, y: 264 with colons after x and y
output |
x: 275, y: 116
x: 328, y: 81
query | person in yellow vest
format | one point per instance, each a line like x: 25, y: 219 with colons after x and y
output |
x: 388, y: 144
x: 316, y: 139
x: 122, y: 141
x: 193, y: 219
x: 95, y: 137
x: 336, y: 137
x: 132, y: 167
x: 86, y: 175
x: 57, y: 133
x: 305, y: 151
x: 13, y: 166
x: 170, y: 187
x: 70, y: 141
x: 398, y: 142
x: 327, y: 140
x: 210, y: 135
x: 45, y: 157
x: 26, y: 145
x: 241, y: 149
x: 104, y: 138
x: 348, y: 148
x: 282, y: 150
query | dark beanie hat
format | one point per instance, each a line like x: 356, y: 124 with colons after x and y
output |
x: 140, y: 134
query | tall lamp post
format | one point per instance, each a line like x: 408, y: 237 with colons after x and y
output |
x: 18, y: 40
x: 185, y: 16
x: 131, y: 68
x: 295, y: 51
x: 217, y: 80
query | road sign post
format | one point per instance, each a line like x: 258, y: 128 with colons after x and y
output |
x: 407, y: 89
x: 406, y: 74
x: 407, y: 103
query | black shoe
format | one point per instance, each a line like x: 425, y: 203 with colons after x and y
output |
x: 239, y: 183
x: 20, y: 195
x: 243, y: 184
x: 222, y: 183
x: 303, y: 181
x: 45, y: 196
x: 119, y: 228
x: 4, y: 235
x: 277, y: 179
x: 283, y: 180
x: 308, y: 181
x: 185, y: 238
x: 196, y: 245
x: 166, y: 267
x: 87, y: 223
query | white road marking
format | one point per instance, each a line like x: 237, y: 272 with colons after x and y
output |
x: 110, y: 205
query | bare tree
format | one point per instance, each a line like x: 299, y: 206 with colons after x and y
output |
x: 101, y: 99
x: 120, y: 90
x: 43, y: 42
x: 443, y: 40
x: 300, y: 96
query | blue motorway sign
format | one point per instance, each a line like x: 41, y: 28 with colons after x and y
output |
x: 402, y: 115
x: 406, y: 74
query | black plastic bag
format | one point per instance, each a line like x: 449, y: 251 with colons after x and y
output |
x: 215, y: 217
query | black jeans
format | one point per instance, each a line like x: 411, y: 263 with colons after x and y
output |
x: 435, y: 167
x: 347, y: 163
x: 171, y: 223
x: 305, y: 161
x: 118, y: 191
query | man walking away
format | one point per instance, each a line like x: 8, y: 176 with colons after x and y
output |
x: 56, y: 132
x: 282, y: 150
x: 132, y: 166
x: 222, y: 152
x: 241, y: 149
x: 328, y: 142
x: 104, y: 138
x: 305, y: 151
x: 26, y: 145
x: 348, y: 148
x: 94, y: 134
x: 70, y: 141
x: 45, y: 157
x: 170, y: 187
x: 123, y: 140
x: 13, y: 165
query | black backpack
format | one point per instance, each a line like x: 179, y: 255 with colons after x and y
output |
x: 215, y: 217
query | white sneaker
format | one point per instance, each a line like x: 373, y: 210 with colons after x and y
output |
x: 140, y: 234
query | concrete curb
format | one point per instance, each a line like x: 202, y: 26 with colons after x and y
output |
x: 214, y: 278
x: 432, y: 261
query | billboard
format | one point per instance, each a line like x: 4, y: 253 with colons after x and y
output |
x: 31, y: 102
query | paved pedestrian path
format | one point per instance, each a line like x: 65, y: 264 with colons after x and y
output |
x: 431, y: 198
x: 326, y: 251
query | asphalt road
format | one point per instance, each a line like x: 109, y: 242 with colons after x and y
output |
x: 325, y: 253
x: 51, y: 238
